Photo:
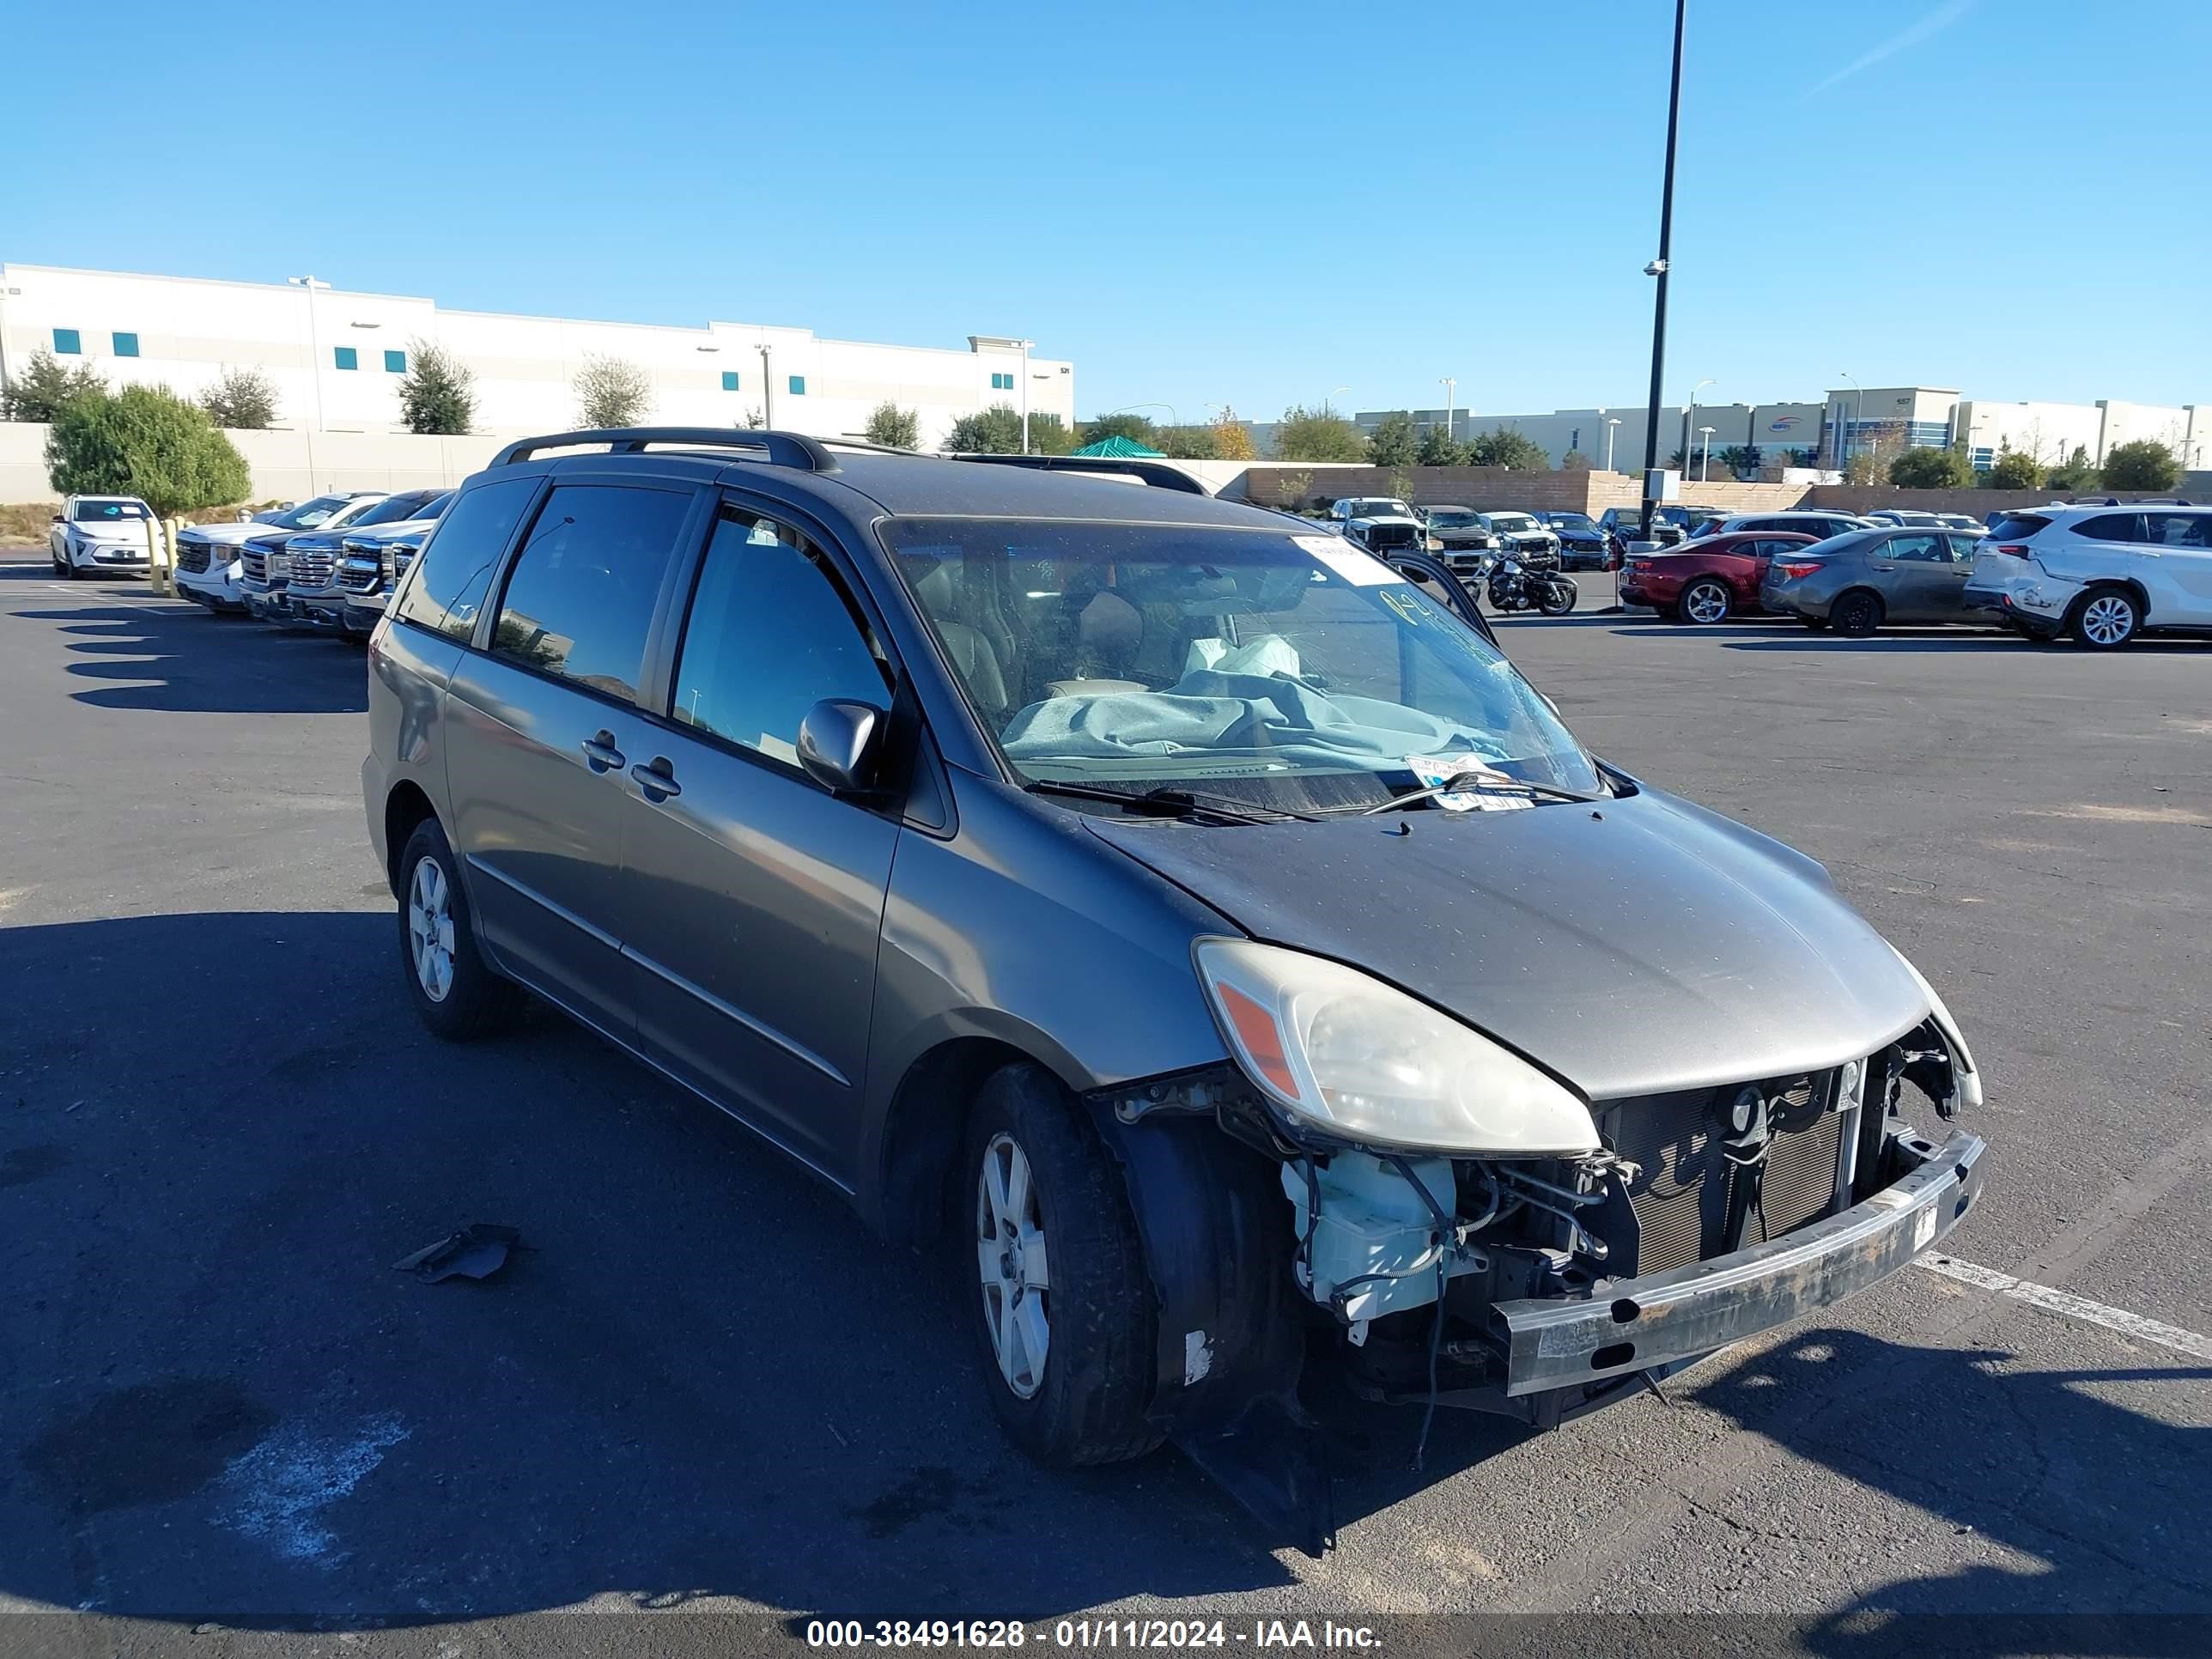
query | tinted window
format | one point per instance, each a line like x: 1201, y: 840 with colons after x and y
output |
x: 579, y: 601
x: 392, y: 509
x: 447, y: 589
x: 1921, y: 549
x: 2112, y: 528
x: 769, y: 635
x: 101, y: 511
x: 2181, y: 529
x: 2016, y: 526
x: 1962, y: 548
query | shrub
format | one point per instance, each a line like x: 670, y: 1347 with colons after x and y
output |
x: 2145, y: 463
x: 243, y: 399
x: 899, y: 429
x: 612, y: 392
x: 144, y: 441
x: 45, y: 388
x: 437, y: 394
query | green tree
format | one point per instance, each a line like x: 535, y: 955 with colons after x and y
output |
x: 897, y: 428
x: 1232, y: 439
x: 2074, y: 472
x: 1574, y: 461
x: 1393, y: 443
x: 2012, y: 470
x: 612, y: 392
x: 437, y: 394
x: 1188, y: 443
x: 1440, y: 448
x: 44, y: 388
x: 1798, y: 458
x: 144, y: 441
x: 1932, y: 469
x: 1137, y: 429
x: 1741, y: 460
x: 1319, y: 434
x: 997, y: 431
x: 1501, y: 448
x: 242, y: 399
x: 2145, y: 464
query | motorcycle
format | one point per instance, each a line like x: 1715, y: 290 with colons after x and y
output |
x: 1512, y: 587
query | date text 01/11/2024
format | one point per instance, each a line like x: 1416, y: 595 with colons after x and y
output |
x: 1113, y: 1633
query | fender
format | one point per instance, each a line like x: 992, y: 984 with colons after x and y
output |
x: 1218, y: 1244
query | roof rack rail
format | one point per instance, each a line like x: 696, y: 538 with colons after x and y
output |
x: 791, y: 449
x: 1160, y: 475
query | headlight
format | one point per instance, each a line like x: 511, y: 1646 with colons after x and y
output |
x: 1364, y: 1060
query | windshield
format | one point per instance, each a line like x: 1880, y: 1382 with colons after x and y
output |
x: 308, y: 515
x: 1517, y: 523
x: 106, y: 512
x: 1381, y: 508
x: 1450, y: 520
x: 1572, y: 521
x: 395, y: 509
x: 1138, y: 656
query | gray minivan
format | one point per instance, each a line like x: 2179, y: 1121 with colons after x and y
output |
x: 1169, y: 911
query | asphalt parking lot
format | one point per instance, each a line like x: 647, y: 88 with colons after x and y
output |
x: 703, y: 1387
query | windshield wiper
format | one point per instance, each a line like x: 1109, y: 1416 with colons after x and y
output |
x: 1171, y: 800
x: 1473, y: 783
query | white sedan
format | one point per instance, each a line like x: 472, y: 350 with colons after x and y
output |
x: 93, y: 534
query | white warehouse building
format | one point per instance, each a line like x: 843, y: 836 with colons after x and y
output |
x: 335, y: 357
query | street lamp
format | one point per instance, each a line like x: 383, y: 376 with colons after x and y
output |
x: 768, y: 389
x: 1858, y: 421
x: 1706, y: 453
x: 1610, y: 421
x: 1450, y: 386
x: 1658, y: 268
x: 1690, y: 420
x: 1025, y: 346
x: 311, y: 283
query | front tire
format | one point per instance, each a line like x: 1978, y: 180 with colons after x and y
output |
x: 2105, y: 619
x: 1062, y: 1304
x: 455, y: 991
x: 1855, y: 614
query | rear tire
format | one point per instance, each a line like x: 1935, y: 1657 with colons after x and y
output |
x: 1855, y: 614
x: 2105, y: 619
x: 456, y: 992
x: 1556, y: 597
x: 1705, y: 602
x: 1035, y: 1172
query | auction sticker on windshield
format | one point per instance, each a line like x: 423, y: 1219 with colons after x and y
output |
x: 1360, y: 569
x: 1433, y: 769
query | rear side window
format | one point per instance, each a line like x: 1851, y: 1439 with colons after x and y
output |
x: 769, y: 635
x: 1920, y: 549
x: 2113, y: 527
x: 580, y: 601
x: 2016, y: 526
x: 447, y: 590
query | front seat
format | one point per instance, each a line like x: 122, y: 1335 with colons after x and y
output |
x: 970, y: 648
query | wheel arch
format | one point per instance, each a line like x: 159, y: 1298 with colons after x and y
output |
x: 2132, y: 586
x: 1880, y: 605
x: 405, y: 808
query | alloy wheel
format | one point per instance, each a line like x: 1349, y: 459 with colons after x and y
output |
x: 1010, y: 1257
x: 2108, y: 619
x: 430, y: 929
x: 1707, y: 602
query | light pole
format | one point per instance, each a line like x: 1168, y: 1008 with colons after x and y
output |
x: 1451, y: 386
x: 1025, y: 346
x: 311, y: 283
x: 768, y: 389
x: 1690, y: 421
x: 1658, y: 268
x: 1706, y: 453
x: 1858, y: 420
x: 1610, y: 421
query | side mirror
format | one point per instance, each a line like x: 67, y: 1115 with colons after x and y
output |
x: 837, y: 743
x: 57, y: 519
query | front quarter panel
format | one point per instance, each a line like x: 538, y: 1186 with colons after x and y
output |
x: 1026, y: 930
x: 408, y: 672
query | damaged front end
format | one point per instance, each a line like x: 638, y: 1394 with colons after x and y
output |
x: 1539, y: 1287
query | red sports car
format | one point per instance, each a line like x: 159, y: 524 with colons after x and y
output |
x: 1704, y: 582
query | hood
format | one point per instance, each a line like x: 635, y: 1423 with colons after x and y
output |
x: 1384, y: 518
x: 132, y: 531
x: 406, y: 530
x: 1653, y: 946
x: 224, y: 535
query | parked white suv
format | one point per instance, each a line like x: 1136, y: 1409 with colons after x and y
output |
x: 93, y: 534
x: 2102, y: 573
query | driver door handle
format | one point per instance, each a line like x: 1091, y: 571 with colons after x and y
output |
x: 657, y: 780
x: 600, y: 753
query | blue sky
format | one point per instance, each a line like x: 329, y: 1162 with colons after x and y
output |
x: 1197, y: 202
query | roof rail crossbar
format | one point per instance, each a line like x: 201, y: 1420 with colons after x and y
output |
x: 1160, y: 475
x: 791, y: 449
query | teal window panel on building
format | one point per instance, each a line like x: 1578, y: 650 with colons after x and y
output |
x: 395, y: 362
x: 345, y: 357
x: 127, y: 345
x: 66, y: 342
x: 729, y: 380
x: 798, y: 385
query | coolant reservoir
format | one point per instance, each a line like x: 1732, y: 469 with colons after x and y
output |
x: 1371, y: 1221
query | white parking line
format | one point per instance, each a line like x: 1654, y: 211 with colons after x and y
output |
x: 2071, y: 1307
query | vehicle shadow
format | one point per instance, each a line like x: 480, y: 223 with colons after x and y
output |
x: 2068, y: 1468
x: 218, y: 1400
x: 182, y: 658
